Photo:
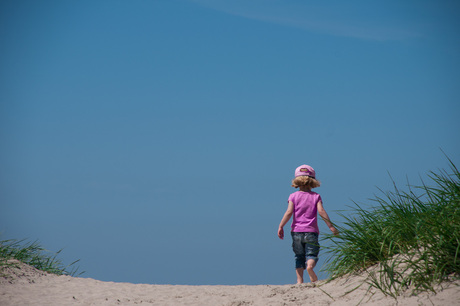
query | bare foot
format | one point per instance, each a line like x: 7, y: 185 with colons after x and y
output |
x: 299, y: 273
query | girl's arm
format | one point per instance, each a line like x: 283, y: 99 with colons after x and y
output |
x: 322, y: 212
x: 286, y: 217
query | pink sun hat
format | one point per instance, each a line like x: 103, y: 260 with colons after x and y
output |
x: 305, y: 170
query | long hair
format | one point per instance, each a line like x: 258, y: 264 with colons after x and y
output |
x: 305, y: 181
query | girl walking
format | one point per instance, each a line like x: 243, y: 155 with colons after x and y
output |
x: 304, y: 206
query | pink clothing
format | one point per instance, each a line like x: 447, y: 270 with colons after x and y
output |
x: 305, y: 216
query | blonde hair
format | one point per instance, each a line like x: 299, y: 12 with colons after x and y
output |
x: 305, y: 181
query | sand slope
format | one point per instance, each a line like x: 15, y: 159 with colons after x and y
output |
x: 28, y: 286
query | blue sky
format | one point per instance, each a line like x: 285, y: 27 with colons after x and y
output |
x: 156, y: 140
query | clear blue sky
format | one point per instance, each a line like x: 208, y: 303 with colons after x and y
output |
x: 156, y: 140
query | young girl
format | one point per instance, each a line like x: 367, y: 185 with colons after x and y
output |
x: 304, y: 205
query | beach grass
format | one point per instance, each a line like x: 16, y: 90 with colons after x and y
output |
x: 404, y: 239
x: 33, y: 254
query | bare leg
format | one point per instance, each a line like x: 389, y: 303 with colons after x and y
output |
x: 311, y: 263
x: 299, y: 272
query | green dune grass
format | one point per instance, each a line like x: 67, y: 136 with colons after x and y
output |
x: 33, y: 254
x: 405, y: 240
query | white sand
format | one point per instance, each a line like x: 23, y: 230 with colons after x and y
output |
x: 28, y: 286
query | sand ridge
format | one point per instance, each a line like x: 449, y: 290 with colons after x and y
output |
x: 25, y: 285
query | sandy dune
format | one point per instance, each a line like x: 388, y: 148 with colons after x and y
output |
x: 28, y: 286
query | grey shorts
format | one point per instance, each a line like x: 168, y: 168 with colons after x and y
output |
x: 305, y: 246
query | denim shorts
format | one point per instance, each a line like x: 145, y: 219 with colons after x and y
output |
x: 305, y: 246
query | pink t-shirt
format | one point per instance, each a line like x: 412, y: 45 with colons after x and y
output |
x: 305, y: 216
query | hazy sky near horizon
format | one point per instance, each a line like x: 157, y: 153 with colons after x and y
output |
x: 156, y: 140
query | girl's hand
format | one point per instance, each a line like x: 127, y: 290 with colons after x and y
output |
x: 281, y: 233
x: 335, y: 231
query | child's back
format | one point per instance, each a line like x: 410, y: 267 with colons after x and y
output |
x: 304, y: 218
